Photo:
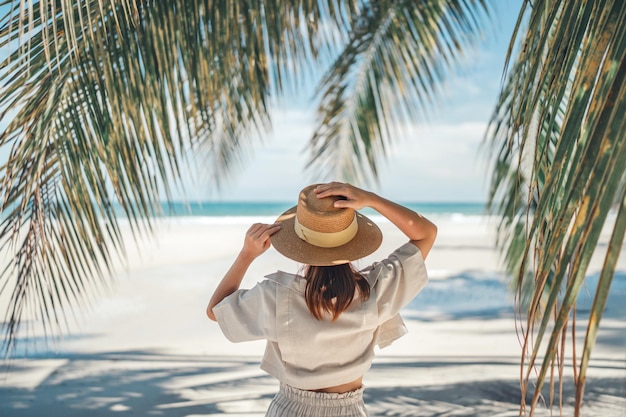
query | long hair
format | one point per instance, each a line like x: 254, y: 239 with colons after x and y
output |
x: 331, y: 289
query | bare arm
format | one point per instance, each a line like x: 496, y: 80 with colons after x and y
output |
x: 256, y: 242
x: 420, y: 231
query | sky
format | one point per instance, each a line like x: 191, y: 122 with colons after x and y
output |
x: 442, y: 159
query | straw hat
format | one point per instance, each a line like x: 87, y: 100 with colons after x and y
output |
x: 316, y: 233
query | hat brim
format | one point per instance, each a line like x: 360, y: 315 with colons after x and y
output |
x: 367, y: 240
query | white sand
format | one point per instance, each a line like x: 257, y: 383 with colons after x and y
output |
x: 146, y: 348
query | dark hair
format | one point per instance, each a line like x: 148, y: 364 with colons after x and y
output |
x: 330, y: 289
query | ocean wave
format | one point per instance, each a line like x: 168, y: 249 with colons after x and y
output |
x: 457, y: 218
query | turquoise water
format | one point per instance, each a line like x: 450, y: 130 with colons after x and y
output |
x: 219, y: 209
x: 204, y: 209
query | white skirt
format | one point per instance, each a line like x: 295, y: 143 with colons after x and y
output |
x: 293, y: 402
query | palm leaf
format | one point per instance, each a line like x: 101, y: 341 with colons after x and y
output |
x: 568, y: 85
x: 397, y: 55
x: 102, y: 101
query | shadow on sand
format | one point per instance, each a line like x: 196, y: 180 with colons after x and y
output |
x: 141, y: 383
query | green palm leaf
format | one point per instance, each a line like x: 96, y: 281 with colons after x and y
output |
x: 389, y: 73
x: 563, y: 110
x: 104, y: 101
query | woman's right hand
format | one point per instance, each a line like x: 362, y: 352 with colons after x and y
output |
x: 355, y: 198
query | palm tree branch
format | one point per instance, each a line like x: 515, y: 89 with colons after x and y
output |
x: 599, y: 193
x: 602, y: 292
x: 391, y: 67
x: 572, y: 57
x: 575, y: 181
x: 103, y: 120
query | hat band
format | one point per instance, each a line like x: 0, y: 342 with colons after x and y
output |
x: 326, y: 239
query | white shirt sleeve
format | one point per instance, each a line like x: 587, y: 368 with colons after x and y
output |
x: 397, y: 280
x: 247, y: 315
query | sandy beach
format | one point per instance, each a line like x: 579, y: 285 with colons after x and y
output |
x: 145, y: 347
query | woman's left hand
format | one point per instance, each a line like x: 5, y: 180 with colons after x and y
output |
x: 257, y: 239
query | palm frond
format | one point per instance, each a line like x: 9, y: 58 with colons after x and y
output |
x: 101, y: 100
x: 397, y: 55
x: 563, y: 107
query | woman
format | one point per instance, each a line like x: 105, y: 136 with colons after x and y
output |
x: 322, y: 326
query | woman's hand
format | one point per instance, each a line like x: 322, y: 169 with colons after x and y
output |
x: 355, y: 198
x: 257, y: 239
x: 421, y: 231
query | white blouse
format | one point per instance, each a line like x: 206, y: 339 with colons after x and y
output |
x: 310, y: 354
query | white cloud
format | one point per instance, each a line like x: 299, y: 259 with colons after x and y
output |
x: 433, y: 163
x: 275, y: 169
x: 437, y: 163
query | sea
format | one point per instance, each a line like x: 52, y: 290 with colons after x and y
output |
x: 241, y: 211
